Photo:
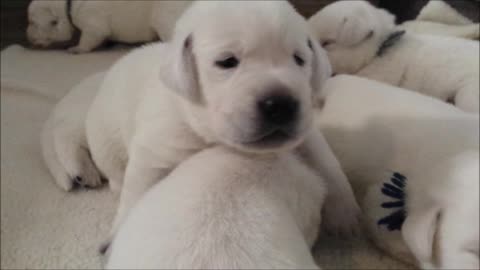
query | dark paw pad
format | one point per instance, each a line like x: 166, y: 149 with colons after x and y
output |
x: 77, y: 182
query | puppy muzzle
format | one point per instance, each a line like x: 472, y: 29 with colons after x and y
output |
x: 278, y: 117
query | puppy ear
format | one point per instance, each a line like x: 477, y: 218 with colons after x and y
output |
x: 321, y: 68
x: 354, y: 30
x: 180, y: 70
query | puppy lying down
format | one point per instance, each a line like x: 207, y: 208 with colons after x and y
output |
x: 53, y: 22
x: 363, y: 40
x: 413, y: 162
x: 214, y: 84
x: 223, y: 209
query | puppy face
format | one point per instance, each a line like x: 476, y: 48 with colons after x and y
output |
x: 351, y: 32
x: 254, y: 73
x: 48, y: 23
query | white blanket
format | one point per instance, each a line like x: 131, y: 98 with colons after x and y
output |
x: 44, y: 227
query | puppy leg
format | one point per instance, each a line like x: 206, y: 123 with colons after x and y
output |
x: 60, y: 174
x: 73, y: 153
x: 139, y: 178
x: 88, y: 42
x: 94, y: 33
x: 111, y: 160
x: 66, y: 154
x: 341, y: 212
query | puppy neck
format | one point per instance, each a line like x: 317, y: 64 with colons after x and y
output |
x: 392, y: 39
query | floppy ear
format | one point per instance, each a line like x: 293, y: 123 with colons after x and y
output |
x: 354, y: 30
x: 179, y: 71
x: 321, y: 68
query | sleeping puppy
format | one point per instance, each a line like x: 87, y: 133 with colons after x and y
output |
x: 363, y: 40
x: 224, y: 209
x: 215, y: 84
x: 413, y: 163
x: 52, y: 22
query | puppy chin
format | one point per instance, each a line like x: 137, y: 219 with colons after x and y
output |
x: 40, y: 45
x: 52, y: 44
x: 275, y: 141
x: 38, y: 42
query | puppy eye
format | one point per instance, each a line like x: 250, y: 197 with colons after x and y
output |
x: 230, y: 62
x: 54, y: 23
x: 298, y: 60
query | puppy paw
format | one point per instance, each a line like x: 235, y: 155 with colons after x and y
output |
x: 67, y: 183
x: 84, y: 181
x: 104, y: 247
x: 341, y: 217
x: 79, y: 182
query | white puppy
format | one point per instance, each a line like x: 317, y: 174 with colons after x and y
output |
x: 223, y: 209
x: 52, y: 22
x: 215, y: 84
x: 425, y: 152
x: 363, y: 40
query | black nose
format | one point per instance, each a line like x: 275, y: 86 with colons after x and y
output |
x: 278, y: 109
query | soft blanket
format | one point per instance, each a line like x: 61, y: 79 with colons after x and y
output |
x: 43, y: 227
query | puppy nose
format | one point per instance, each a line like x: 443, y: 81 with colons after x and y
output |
x: 278, y: 109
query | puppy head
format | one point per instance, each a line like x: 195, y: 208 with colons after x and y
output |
x: 253, y: 69
x: 48, y: 23
x: 351, y: 32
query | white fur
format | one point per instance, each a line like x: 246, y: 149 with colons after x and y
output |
x: 124, y: 21
x: 64, y: 142
x: 442, y: 67
x: 375, y: 129
x: 439, y: 11
x: 468, y: 31
x: 222, y: 209
x: 164, y: 102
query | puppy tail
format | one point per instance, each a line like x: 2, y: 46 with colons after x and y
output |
x: 67, y: 158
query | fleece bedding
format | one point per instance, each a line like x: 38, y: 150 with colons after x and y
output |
x: 43, y: 227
